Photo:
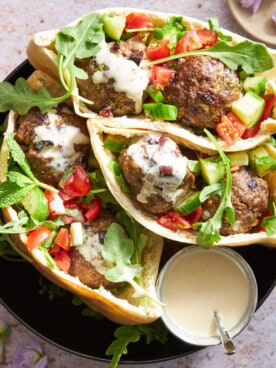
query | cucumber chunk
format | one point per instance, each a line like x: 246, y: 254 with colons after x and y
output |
x: 189, y: 204
x: 238, y: 158
x: 249, y: 108
x: 114, y: 26
x: 212, y: 170
x: 261, y: 162
x: 256, y: 84
x: 36, y: 204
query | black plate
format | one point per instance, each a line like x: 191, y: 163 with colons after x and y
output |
x: 61, y: 322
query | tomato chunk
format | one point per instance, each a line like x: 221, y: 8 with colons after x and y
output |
x: 37, y: 237
x: 159, y: 51
x: 230, y: 128
x: 63, y: 239
x: 93, y: 210
x: 75, y: 182
x: 62, y: 260
x: 207, y: 37
x: 135, y: 20
x: 161, y: 75
x: 173, y: 221
x: 190, y: 41
x: 194, y: 216
x: 55, y: 203
x: 270, y: 102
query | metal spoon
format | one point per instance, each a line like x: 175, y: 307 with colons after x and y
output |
x: 228, y: 345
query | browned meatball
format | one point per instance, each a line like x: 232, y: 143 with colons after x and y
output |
x: 203, y: 89
x: 53, y: 142
x: 249, y: 198
x: 86, y: 261
x: 156, y: 171
x: 107, y: 99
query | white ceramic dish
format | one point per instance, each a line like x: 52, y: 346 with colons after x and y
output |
x: 258, y: 25
x: 195, y: 282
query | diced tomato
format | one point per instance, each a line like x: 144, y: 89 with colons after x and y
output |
x: 55, y: 203
x: 135, y: 20
x: 37, y: 237
x: 75, y: 183
x: 195, y: 40
x: 93, y: 210
x: 190, y: 41
x: 159, y: 51
x: 207, y: 37
x: 63, y: 239
x: 250, y: 133
x: 161, y: 75
x: 194, y: 216
x: 78, y: 212
x: 270, y: 102
x: 62, y: 260
x: 173, y: 221
x: 54, y: 249
x: 230, y: 128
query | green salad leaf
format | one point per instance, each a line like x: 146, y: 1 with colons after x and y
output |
x: 249, y: 56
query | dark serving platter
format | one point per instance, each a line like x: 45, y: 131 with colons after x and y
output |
x: 62, y: 323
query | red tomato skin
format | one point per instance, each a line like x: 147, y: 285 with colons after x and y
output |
x: 135, y: 20
x: 207, y: 37
x: 93, y: 210
x: 194, y: 216
x: 62, y: 260
x: 173, y: 221
x: 250, y: 133
x: 55, y: 203
x: 159, y: 51
x: 161, y: 75
x: 270, y: 102
x: 77, y: 183
x: 37, y: 236
x: 63, y: 239
x: 190, y: 41
x: 230, y: 128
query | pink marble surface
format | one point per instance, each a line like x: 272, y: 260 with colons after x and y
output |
x: 18, y: 21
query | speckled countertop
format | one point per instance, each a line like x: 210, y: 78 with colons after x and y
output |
x: 18, y: 21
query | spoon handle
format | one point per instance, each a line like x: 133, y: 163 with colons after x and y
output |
x: 228, y: 345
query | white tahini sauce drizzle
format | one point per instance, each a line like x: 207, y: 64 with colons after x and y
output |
x: 127, y: 75
x: 61, y: 139
x: 149, y: 157
x: 91, y: 251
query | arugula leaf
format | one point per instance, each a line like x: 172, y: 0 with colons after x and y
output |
x: 209, y: 231
x: 216, y: 188
x: 250, y: 56
x: 128, y: 334
x: 78, y: 42
x: 215, y: 27
x: 21, y: 98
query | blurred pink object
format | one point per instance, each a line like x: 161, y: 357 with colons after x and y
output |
x: 253, y: 4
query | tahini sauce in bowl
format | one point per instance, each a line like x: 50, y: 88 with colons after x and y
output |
x: 195, y: 282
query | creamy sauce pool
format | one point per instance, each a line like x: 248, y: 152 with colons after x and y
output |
x: 200, y: 283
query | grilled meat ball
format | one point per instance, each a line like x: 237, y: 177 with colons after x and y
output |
x: 249, y: 198
x: 52, y: 142
x: 117, y: 78
x: 203, y: 89
x: 86, y: 261
x: 156, y: 171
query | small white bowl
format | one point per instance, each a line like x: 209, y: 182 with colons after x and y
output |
x: 195, y: 282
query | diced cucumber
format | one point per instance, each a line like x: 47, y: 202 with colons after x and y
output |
x: 249, y: 108
x: 36, y: 204
x: 189, y: 204
x: 266, y: 164
x: 238, y: 158
x: 114, y: 143
x: 114, y: 25
x: 194, y: 167
x: 256, y: 84
x: 212, y: 170
x: 76, y: 232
